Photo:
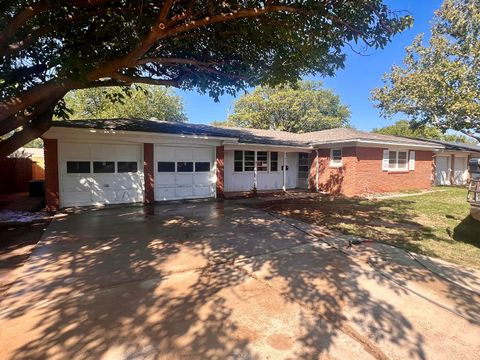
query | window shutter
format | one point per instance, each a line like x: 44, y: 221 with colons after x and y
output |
x: 385, y: 160
x: 411, y: 161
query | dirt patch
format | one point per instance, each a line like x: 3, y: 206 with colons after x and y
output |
x: 16, y: 244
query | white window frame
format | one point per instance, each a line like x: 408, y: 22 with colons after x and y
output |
x: 336, y: 163
x: 396, y: 168
x: 255, y: 162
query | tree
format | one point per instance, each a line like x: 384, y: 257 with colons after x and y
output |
x: 405, y: 128
x: 439, y: 83
x: 145, y: 102
x: 50, y: 47
x: 301, y: 108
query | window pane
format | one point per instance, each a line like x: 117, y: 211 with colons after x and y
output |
x: 402, y: 159
x: 249, y: 160
x: 274, y: 161
x: 202, y: 166
x: 303, y: 168
x: 238, y: 166
x: 392, y: 159
x: 185, y: 166
x: 303, y: 156
x: 78, y: 167
x: 103, y: 167
x: 238, y: 155
x: 262, y: 161
x: 336, y: 155
x: 126, y: 166
x: 166, y: 166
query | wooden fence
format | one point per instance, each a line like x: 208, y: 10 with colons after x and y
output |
x: 15, y: 173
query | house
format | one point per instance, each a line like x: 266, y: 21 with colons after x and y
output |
x: 91, y: 162
x: 451, y: 162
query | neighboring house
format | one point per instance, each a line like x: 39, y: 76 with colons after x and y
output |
x: 91, y: 162
x: 451, y: 163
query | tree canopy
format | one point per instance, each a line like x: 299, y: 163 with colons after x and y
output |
x: 303, y: 107
x: 50, y: 47
x: 405, y: 128
x: 144, y: 101
x: 439, y: 83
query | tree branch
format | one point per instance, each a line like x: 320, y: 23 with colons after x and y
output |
x: 128, y: 80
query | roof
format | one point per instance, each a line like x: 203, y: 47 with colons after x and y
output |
x: 248, y: 136
x: 456, y: 146
x: 348, y: 134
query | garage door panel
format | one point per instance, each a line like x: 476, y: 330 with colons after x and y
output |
x: 184, y: 179
x: 202, y: 191
x: 101, y: 188
x: 165, y: 193
x: 103, y: 152
x: 184, y: 182
x: 165, y: 179
x: 184, y: 191
x: 202, y: 154
x: 203, y: 179
x: 164, y: 154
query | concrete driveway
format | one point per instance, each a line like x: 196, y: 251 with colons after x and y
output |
x: 222, y: 280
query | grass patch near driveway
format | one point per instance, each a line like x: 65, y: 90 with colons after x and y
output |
x: 437, y: 224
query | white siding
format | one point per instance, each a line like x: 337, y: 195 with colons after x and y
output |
x: 266, y: 180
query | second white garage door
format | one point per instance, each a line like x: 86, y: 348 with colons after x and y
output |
x: 184, y: 173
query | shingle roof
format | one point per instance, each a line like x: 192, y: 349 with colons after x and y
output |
x: 456, y: 146
x: 249, y: 136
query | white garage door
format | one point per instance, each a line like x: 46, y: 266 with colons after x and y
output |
x: 460, y: 170
x: 94, y: 174
x: 442, y: 173
x: 184, y: 172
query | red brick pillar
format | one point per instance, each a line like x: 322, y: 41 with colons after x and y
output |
x: 52, y: 194
x: 148, y: 168
x: 312, y: 173
x: 220, y: 166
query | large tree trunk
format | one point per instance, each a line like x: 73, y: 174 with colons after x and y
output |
x: 33, y: 126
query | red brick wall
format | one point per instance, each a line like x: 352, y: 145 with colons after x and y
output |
x: 52, y: 196
x: 338, y: 180
x: 220, y: 166
x: 148, y: 168
x: 371, y: 178
x: 361, y: 172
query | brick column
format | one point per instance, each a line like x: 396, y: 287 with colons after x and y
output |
x: 220, y: 166
x: 148, y: 168
x: 312, y: 173
x: 52, y: 194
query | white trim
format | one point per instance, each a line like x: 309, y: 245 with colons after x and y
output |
x: 259, y: 147
x: 376, y: 142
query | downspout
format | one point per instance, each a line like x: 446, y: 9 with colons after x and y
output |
x: 284, y: 167
x: 255, y: 172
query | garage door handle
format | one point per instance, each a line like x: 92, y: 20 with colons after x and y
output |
x: 106, y: 185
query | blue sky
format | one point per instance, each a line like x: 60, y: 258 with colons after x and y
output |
x: 354, y: 83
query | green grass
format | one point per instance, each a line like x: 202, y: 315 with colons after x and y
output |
x: 437, y: 224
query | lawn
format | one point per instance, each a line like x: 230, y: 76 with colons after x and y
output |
x: 437, y: 224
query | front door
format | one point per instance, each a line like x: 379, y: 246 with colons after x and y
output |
x: 303, y: 170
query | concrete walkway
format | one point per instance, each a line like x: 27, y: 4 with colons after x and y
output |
x: 221, y: 280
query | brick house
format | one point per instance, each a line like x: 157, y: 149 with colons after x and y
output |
x: 92, y: 162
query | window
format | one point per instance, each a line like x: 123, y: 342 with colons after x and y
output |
x: 336, y: 157
x: 274, y: 161
x: 126, y: 166
x: 166, y: 166
x: 303, y: 162
x: 262, y: 161
x: 397, y: 160
x: 238, y: 161
x: 185, y: 166
x: 103, y: 167
x: 249, y: 160
x: 78, y: 167
x: 202, y: 167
